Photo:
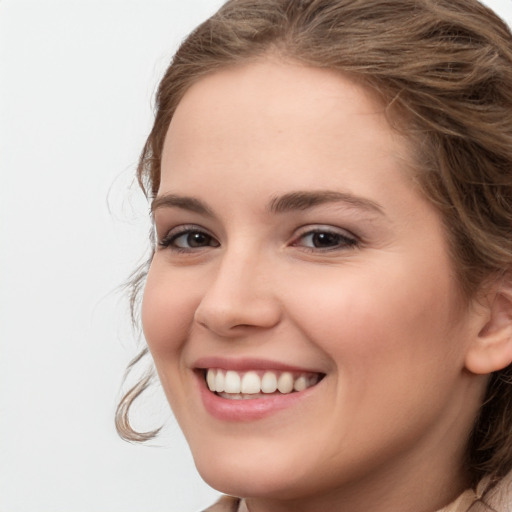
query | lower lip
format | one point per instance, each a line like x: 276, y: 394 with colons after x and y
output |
x: 249, y: 409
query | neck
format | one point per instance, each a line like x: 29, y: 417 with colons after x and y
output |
x: 426, y: 480
x: 430, y: 495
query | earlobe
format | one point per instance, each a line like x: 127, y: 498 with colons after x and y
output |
x: 491, y: 350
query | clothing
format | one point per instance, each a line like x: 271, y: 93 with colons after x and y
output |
x: 500, y: 498
x: 225, y: 504
x: 462, y: 503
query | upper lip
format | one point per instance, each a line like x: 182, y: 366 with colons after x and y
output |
x: 247, y: 364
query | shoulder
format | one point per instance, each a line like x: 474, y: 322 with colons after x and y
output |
x: 499, y: 499
x: 463, y: 503
x: 225, y: 504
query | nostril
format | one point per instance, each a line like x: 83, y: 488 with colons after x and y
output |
x: 235, y: 301
x: 202, y: 324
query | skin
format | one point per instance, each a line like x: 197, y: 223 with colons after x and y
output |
x: 382, y: 318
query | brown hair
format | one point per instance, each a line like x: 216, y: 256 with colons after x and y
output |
x: 444, y: 68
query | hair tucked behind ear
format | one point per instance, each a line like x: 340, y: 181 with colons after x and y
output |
x: 444, y: 67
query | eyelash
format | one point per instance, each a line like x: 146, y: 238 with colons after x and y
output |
x: 339, y: 241
x: 169, y: 240
x: 342, y: 241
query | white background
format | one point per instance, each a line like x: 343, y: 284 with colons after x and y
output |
x: 77, y: 79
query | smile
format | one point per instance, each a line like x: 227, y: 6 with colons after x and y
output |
x: 253, y: 384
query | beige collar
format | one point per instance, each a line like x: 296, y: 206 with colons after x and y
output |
x: 462, y: 503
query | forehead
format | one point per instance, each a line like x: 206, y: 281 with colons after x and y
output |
x: 274, y: 85
x: 266, y: 91
x: 278, y: 118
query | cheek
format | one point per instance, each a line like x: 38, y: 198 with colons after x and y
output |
x: 167, y: 313
x: 376, y: 319
x: 393, y: 349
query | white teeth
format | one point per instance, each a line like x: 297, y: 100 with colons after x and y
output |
x: 269, y: 382
x: 300, y: 384
x: 219, y: 381
x: 210, y: 379
x: 232, y: 382
x: 251, y: 383
x: 285, y: 382
x: 238, y: 385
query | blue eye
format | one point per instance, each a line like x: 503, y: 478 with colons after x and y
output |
x: 187, y: 239
x: 324, y: 239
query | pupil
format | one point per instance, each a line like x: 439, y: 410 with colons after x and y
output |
x: 197, y: 239
x: 325, y: 239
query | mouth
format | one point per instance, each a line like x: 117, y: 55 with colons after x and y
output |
x: 257, y: 384
x: 252, y: 389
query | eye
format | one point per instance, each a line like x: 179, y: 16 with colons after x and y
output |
x: 186, y: 238
x: 325, y: 239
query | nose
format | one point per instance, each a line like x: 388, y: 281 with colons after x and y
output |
x: 239, y: 296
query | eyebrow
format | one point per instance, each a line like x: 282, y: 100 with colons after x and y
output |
x: 300, y: 200
x: 184, y: 202
x: 305, y: 200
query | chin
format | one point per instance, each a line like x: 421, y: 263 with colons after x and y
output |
x: 244, y: 475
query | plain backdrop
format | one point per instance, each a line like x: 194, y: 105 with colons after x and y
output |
x: 77, y: 78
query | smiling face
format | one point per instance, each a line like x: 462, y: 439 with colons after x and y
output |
x: 294, y: 252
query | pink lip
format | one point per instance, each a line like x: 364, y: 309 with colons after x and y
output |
x: 246, y: 364
x: 251, y: 409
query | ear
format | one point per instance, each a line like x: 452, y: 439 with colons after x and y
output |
x: 491, y: 350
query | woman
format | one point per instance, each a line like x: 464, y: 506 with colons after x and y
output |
x: 329, y: 301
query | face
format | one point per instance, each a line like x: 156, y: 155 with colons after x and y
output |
x: 295, y: 252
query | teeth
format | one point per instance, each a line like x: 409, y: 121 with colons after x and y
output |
x: 219, y: 382
x: 251, y: 383
x: 300, y: 384
x: 285, y: 382
x: 254, y: 383
x: 210, y: 379
x: 269, y: 382
x: 231, y: 382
